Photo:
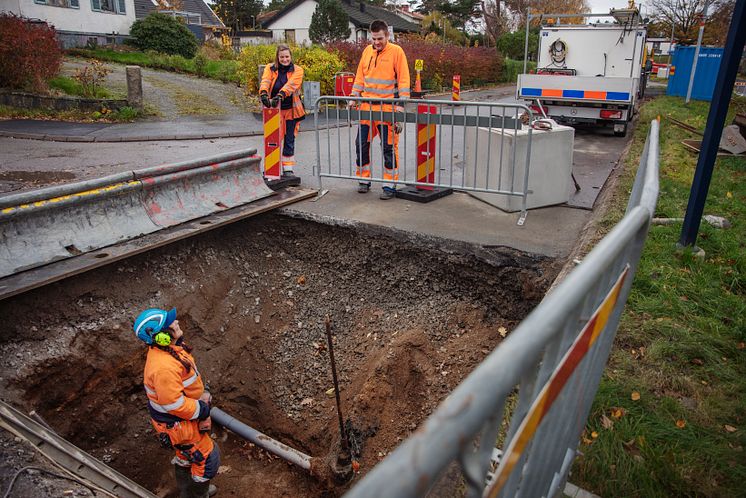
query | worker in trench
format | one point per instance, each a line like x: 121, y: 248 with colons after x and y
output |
x: 383, y: 73
x: 178, y: 402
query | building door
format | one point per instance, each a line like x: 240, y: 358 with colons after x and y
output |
x: 289, y: 36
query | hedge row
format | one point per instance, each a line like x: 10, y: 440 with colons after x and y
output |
x: 29, y: 54
x: 476, y: 65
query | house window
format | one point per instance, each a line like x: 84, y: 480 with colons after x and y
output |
x: 69, y: 4
x: 113, y: 6
x: 289, y: 36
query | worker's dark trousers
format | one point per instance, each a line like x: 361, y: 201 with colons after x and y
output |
x: 288, y: 144
x: 362, y: 146
x: 188, y: 487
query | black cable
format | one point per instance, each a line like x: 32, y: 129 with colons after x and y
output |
x: 15, y: 477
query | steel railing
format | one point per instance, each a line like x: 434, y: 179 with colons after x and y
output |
x: 541, y: 380
x: 475, y: 146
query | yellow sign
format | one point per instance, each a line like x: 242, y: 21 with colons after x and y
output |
x: 418, y: 64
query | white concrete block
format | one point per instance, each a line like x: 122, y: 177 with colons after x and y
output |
x: 491, y: 153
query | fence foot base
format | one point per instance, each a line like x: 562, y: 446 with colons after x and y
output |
x: 285, y: 181
x: 522, y: 218
x: 417, y: 195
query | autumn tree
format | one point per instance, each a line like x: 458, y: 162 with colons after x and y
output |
x: 436, y: 23
x: 238, y: 14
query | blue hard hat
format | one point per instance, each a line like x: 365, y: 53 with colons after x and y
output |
x: 150, y: 322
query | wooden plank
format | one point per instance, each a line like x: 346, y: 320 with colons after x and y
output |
x: 59, y: 270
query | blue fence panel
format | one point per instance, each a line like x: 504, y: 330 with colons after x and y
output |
x: 708, y: 66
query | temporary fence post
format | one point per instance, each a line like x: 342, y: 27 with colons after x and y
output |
x: 456, y: 95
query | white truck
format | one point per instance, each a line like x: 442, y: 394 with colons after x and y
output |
x: 590, y: 73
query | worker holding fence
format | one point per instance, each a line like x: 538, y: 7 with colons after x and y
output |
x: 281, y: 84
x: 178, y: 402
x: 383, y: 72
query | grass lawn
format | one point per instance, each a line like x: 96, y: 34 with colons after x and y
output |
x: 69, y: 86
x: 668, y: 419
x: 123, y: 115
x: 221, y: 70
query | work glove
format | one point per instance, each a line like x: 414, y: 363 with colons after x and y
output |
x: 265, y: 100
x: 398, y: 128
x: 352, y: 104
x: 205, y: 425
x: 276, y: 100
x: 206, y: 397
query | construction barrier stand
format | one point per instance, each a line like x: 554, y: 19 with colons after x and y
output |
x: 425, y: 149
x: 456, y: 95
x: 272, y: 142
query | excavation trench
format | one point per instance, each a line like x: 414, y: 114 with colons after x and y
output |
x: 411, y: 318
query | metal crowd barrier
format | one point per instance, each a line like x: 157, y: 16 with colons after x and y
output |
x: 555, y: 359
x: 434, y: 144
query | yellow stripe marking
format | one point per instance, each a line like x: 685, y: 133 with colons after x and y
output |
x: 425, y: 134
x: 85, y: 193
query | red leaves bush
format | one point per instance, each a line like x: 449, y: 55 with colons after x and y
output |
x: 476, y: 65
x: 29, y: 54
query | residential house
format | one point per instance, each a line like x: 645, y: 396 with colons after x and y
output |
x: 197, y: 15
x: 79, y: 22
x: 291, y: 23
x: 407, y: 14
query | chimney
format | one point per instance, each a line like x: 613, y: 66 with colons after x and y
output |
x: 362, y: 6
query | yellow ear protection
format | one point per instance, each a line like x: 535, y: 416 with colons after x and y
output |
x: 162, y: 338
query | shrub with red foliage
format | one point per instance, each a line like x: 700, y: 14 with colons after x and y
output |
x: 476, y: 65
x: 29, y: 54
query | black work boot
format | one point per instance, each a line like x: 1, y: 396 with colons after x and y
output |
x: 183, y: 480
x: 201, y: 489
x: 363, y: 188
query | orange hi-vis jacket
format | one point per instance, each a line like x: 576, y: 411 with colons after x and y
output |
x: 382, y: 75
x: 173, y: 393
x: 292, y: 87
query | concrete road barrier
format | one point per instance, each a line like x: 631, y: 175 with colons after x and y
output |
x: 46, y: 225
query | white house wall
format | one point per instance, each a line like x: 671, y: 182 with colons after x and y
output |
x: 80, y: 20
x: 299, y: 19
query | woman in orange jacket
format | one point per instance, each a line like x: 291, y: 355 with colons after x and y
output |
x: 178, y: 403
x: 281, y: 84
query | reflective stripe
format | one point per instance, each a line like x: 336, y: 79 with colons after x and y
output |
x: 357, y: 87
x: 377, y: 81
x: 190, y: 380
x: 404, y: 90
x: 148, y: 390
x: 171, y: 406
x: 180, y: 462
x: 196, y: 411
x: 379, y: 91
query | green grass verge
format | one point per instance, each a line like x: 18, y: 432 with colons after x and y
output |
x: 123, y: 115
x: 69, y: 86
x: 221, y: 70
x: 680, y: 344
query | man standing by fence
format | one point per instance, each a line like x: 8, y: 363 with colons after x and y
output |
x: 383, y: 73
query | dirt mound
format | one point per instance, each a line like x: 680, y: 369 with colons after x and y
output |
x: 410, y: 321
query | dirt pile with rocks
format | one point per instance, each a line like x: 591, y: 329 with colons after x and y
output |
x: 411, y: 318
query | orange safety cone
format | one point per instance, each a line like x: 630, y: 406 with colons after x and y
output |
x: 417, y: 86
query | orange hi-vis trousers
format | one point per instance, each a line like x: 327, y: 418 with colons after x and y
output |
x: 390, y: 145
x: 194, y: 449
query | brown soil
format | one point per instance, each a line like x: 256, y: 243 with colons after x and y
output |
x: 411, y: 318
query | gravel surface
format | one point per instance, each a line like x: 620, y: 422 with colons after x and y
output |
x: 173, y: 95
x: 411, y: 318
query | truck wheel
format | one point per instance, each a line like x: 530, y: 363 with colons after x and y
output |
x: 620, y: 132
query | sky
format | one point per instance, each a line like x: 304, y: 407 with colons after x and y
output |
x: 603, y: 6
